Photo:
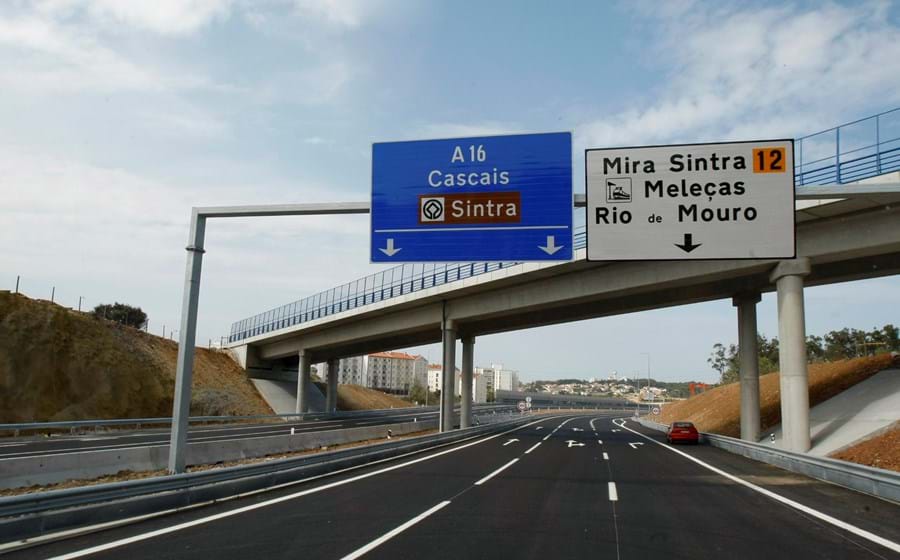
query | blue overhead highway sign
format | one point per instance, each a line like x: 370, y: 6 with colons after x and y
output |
x: 490, y: 198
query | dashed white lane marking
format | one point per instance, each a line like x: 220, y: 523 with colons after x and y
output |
x: 532, y: 448
x: 613, y: 494
x: 496, y: 472
x: 605, y: 457
x: 600, y: 441
x: 891, y: 545
x: 237, y: 511
x: 394, y: 532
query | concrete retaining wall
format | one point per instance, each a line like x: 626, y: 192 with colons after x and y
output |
x: 48, y: 469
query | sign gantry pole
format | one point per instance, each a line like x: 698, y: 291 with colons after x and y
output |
x: 184, y: 369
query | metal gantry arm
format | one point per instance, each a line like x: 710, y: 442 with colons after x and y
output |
x: 184, y: 368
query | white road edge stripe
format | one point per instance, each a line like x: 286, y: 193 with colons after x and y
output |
x: 251, y: 507
x: 393, y: 533
x: 496, y: 472
x: 532, y: 448
x: 891, y: 545
x: 613, y: 495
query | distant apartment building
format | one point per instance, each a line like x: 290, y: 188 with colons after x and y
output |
x: 479, y: 386
x: 395, y: 372
x: 500, y: 379
x: 435, y: 373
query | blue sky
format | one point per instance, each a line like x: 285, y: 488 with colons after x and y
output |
x: 120, y: 116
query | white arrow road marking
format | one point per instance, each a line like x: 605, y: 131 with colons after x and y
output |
x: 573, y: 443
x: 513, y: 440
x: 390, y: 250
x: 613, y: 494
x: 634, y: 444
x: 551, y: 246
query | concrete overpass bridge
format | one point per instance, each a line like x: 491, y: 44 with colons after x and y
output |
x: 847, y: 229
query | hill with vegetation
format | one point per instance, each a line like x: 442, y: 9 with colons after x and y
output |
x: 718, y: 410
x: 59, y: 364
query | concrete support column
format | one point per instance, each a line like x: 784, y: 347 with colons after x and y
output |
x: 302, y: 382
x: 331, y: 388
x: 448, y: 376
x: 788, y: 278
x: 749, y: 360
x: 468, y: 367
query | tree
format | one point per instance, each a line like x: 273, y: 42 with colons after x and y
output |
x: 121, y: 313
x: 815, y: 350
x: 724, y: 360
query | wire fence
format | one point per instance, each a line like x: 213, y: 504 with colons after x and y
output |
x: 850, y: 152
x: 38, y: 289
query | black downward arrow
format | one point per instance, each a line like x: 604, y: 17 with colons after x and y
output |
x: 688, y: 244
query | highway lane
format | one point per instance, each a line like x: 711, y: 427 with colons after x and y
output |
x: 561, y: 487
x: 64, y: 443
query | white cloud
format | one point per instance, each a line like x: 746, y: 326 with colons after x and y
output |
x: 454, y: 130
x: 341, y: 13
x: 157, y: 16
x: 757, y: 72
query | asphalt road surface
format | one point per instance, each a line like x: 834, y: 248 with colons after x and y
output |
x: 559, y: 487
x: 63, y: 443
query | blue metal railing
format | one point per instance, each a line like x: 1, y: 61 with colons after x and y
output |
x: 844, y: 154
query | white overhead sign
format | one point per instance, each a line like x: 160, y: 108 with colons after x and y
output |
x: 694, y: 201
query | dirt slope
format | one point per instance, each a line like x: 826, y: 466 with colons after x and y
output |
x: 58, y: 364
x: 719, y: 410
x: 881, y: 451
x: 355, y: 397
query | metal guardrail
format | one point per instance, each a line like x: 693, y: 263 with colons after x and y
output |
x: 75, y: 424
x: 868, y: 480
x: 29, y: 515
x: 850, y: 152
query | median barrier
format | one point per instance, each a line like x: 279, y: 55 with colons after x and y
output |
x: 880, y: 483
x: 49, y: 469
x: 88, y: 509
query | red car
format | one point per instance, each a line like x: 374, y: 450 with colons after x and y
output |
x: 682, y: 431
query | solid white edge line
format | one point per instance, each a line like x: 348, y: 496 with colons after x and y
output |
x: 613, y: 494
x: 496, y: 472
x: 891, y: 545
x: 532, y: 448
x: 394, y: 532
x: 251, y: 507
x: 605, y: 457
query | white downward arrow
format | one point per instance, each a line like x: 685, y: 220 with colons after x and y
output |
x: 510, y: 441
x: 551, y: 247
x: 390, y: 250
x: 573, y: 443
x: 634, y: 445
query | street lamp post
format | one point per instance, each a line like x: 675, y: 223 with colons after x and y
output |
x: 648, y: 380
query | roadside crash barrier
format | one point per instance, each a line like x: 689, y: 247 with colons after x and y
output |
x: 880, y: 483
x: 91, y: 508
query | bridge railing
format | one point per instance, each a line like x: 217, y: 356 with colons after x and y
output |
x: 850, y: 152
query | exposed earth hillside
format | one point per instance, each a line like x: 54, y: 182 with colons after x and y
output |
x: 59, y: 364
x: 355, y: 397
x: 719, y: 410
